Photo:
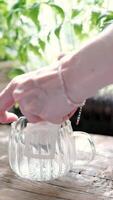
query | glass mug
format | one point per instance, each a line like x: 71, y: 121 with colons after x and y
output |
x: 82, y: 150
x: 42, y: 151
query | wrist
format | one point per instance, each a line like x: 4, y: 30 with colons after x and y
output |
x: 67, y: 80
x: 70, y: 79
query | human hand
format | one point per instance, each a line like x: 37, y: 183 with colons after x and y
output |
x: 40, y: 97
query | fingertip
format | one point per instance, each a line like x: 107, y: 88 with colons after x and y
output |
x: 6, y: 98
x: 7, y: 117
x: 11, y: 117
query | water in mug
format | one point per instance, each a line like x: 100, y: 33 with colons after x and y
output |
x: 39, y: 151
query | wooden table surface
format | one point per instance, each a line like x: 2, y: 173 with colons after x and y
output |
x: 94, y: 182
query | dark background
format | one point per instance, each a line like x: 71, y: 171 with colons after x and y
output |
x: 96, y: 117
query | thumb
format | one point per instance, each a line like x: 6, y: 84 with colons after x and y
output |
x: 6, y: 102
x: 6, y: 98
x: 6, y: 117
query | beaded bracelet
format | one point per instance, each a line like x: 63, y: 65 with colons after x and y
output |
x: 80, y: 112
x: 68, y: 99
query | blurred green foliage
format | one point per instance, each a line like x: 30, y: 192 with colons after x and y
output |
x: 24, y: 33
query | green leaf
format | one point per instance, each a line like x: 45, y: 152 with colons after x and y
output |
x: 18, y: 5
x: 75, y: 12
x: 98, y: 2
x: 58, y: 10
x: 108, y: 22
x: 95, y: 15
x: 41, y: 44
x: 105, y: 19
x: 22, y: 2
x: 12, y: 16
x: 17, y: 9
x: 2, y: 1
x: 3, y: 8
x: 48, y: 36
x: 35, y: 50
x: 23, y: 49
x: 33, y: 13
x: 107, y: 16
x: 78, y: 29
x: 23, y: 54
x: 15, y: 72
x: 105, y: 24
x: 57, y: 31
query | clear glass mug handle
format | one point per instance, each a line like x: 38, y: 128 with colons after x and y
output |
x: 21, y: 123
x: 89, y: 139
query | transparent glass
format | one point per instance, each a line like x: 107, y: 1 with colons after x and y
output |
x: 46, y: 151
x: 82, y: 150
x: 40, y: 151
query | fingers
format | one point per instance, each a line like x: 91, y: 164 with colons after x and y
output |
x: 6, y: 102
x: 7, y: 117
x: 6, y: 98
x: 32, y: 118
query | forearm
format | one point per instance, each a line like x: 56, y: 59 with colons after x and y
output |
x: 91, y: 68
